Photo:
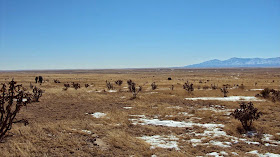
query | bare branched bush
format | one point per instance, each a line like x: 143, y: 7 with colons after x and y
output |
x: 133, y: 89
x: 109, y: 85
x: 224, y: 90
x: 172, y: 87
x: 246, y: 114
x: 214, y: 87
x: 37, y: 93
x: 11, y: 101
x: 154, y: 86
x: 188, y: 87
x: 76, y: 85
x: 119, y: 82
x: 129, y: 83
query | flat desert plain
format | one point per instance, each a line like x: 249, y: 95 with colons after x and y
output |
x: 97, y: 121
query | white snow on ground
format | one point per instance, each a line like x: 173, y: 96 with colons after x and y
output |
x: 123, y: 97
x: 216, y: 154
x: 98, y: 114
x: 230, y: 98
x: 234, y: 153
x: 255, y: 152
x: 255, y: 89
x: 171, y: 123
x: 127, y: 107
x: 267, y: 138
x: 161, y: 141
x: 112, y: 91
x: 86, y: 131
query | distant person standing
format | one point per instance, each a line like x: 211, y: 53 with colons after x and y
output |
x: 36, y: 79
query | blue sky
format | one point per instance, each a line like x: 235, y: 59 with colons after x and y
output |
x: 90, y: 34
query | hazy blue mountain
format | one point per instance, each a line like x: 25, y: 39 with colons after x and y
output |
x: 238, y: 62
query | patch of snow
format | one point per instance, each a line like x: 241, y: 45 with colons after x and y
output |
x: 86, y: 131
x: 127, y: 107
x: 256, y: 89
x: 230, y: 98
x: 162, y: 142
x: 112, y: 91
x: 234, y: 153
x: 255, y: 152
x: 98, y: 114
x: 171, y: 123
x: 220, y: 144
x: 123, y: 97
x: 213, y: 154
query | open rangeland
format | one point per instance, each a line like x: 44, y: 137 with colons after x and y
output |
x: 97, y: 121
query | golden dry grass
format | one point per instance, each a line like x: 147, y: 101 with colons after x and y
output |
x: 58, y: 120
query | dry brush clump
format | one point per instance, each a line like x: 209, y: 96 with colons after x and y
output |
x: 66, y: 85
x: 11, y: 101
x: 272, y: 94
x: 246, y: 114
x: 109, y: 85
x: 188, y: 86
x: 86, y: 85
x: 56, y: 81
x: 119, y: 82
x: 134, y: 90
x: 76, y: 85
x: 154, y: 86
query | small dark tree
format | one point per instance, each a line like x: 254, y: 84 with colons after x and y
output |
x: 36, y: 79
x: 40, y: 79
x: 172, y: 87
x: 11, y: 101
x: 224, y: 90
x: 86, y: 85
x: 154, y: 86
x: 246, y: 114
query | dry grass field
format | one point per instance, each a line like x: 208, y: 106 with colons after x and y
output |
x: 95, y: 121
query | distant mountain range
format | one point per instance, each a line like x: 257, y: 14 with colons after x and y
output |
x: 238, y: 62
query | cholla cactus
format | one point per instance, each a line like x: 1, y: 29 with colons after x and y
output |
x: 109, y: 85
x: 37, y: 93
x: 224, y: 90
x: 246, y: 114
x: 11, y: 101
x: 134, y: 90
x: 119, y: 82
x: 188, y: 87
